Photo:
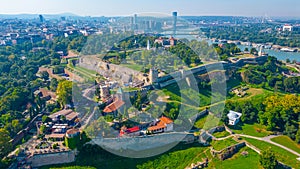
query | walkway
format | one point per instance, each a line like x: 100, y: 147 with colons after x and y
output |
x: 268, y: 140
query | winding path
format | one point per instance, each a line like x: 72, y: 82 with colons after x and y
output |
x: 268, y: 140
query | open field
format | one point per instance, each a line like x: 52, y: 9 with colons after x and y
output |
x: 238, y: 161
x: 251, y: 129
x: 133, y: 66
x: 219, y: 145
x: 74, y: 167
x: 287, y: 142
x: 221, y: 134
x: 180, y: 156
x: 207, y: 122
x: 281, y: 154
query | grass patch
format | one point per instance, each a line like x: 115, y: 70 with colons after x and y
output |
x: 256, y: 130
x: 180, y: 156
x: 221, y: 144
x: 208, y: 122
x: 73, y: 167
x: 287, y: 142
x: 282, y: 155
x: 238, y: 161
x: 133, y: 66
x: 221, y: 134
x: 200, y: 122
x: 179, y: 159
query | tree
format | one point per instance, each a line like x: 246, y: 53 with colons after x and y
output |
x: 45, y: 119
x: 5, y: 145
x: 53, y: 84
x: 246, y: 50
x: 298, y: 136
x: 42, y: 129
x: 267, y: 159
x: 64, y: 92
x: 253, y: 51
x: 288, y: 60
x: 290, y: 130
x: 45, y: 75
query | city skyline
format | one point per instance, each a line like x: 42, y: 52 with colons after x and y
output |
x: 288, y: 8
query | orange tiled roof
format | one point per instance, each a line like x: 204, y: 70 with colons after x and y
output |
x: 158, y: 126
x: 163, y: 121
x: 72, y: 131
x: 166, y: 120
x: 46, y: 92
x: 113, y: 106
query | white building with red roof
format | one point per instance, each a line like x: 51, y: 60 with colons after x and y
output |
x: 164, y: 124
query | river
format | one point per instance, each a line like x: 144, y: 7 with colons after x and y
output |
x: 278, y: 54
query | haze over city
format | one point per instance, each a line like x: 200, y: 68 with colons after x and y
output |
x: 92, y: 84
x: 287, y: 8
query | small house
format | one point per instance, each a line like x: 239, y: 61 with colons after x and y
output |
x: 164, y: 124
x: 112, y: 108
x: 234, y: 117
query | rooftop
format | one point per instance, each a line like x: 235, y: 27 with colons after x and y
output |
x: 232, y: 115
x: 114, y: 106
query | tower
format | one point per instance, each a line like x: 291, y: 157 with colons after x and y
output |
x: 261, y: 53
x: 148, y: 45
x: 41, y: 18
x: 174, y: 14
x: 135, y: 25
x: 153, y: 75
x: 104, y: 91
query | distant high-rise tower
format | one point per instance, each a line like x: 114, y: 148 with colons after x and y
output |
x: 135, y: 21
x: 41, y: 18
x: 174, y: 14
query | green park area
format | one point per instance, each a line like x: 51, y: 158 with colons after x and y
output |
x: 221, y: 144
x: 287, y: 142
x: 282, y: 155
x: 256, y: 130
x: 221, y: 134
x: 245, y: 158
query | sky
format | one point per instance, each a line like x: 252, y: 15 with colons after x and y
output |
x: 128, y: 7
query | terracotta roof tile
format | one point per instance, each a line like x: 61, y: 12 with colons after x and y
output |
x: 114, y: 106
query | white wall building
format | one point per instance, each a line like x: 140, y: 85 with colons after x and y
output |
x: 287, y: 28
x: 234, y: 117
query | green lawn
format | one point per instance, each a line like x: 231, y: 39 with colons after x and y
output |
x: 179, y: 159
x: 281, y: 154
x: 186, y: 95
x: 287, y: 142
x: 251, y: 129
x: 73, y: 167
x: 200, y: 122
x: 134, y: 66
x: 180, y: 156
x: 221, y: 134
x: 238, y: 161
x: 219, y: 145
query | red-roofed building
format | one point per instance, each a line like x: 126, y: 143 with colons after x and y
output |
x: 166, y: 42
x: 165, y: 124
x: 113, y: 107
x: 134, y: 131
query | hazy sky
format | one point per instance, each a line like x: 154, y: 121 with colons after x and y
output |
x: 128, y: 7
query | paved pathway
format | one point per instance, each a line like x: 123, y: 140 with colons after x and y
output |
x: 268, y: 139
